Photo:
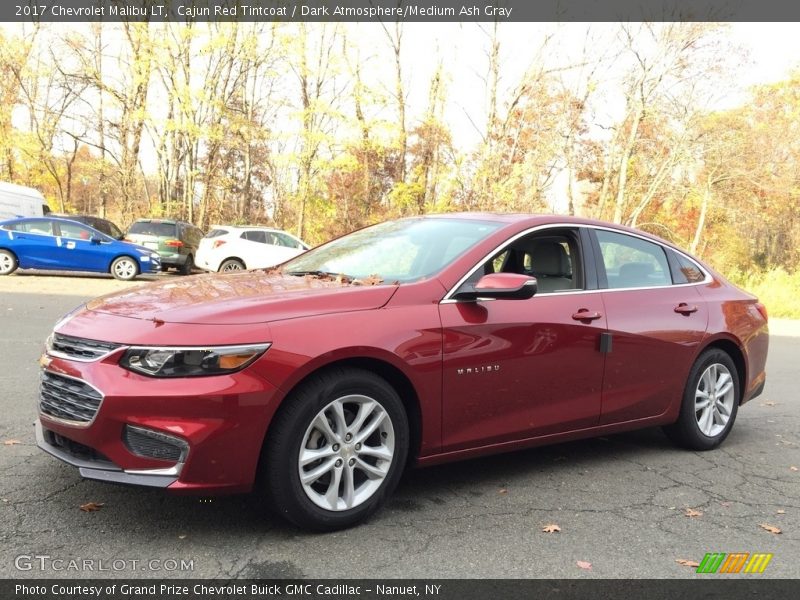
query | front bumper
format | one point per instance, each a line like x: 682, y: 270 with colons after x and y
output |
x: 97, y: 468
x: 220, y: 420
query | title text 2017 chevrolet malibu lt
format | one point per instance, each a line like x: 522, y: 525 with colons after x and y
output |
x: 421, y: 340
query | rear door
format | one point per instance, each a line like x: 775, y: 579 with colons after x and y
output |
x: 655, y: 326
x: 517, y: 369
x: 34, y: 243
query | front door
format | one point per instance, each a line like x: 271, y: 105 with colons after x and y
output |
x: 517, y: 369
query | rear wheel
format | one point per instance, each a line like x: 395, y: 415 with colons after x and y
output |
x: 710, y: 403
x: 186, y: 268
x: 232, y: 264
x: 124, y: 268
x: 336, y: 450
x: 8, y: 262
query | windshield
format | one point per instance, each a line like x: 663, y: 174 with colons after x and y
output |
x: 403, y: 251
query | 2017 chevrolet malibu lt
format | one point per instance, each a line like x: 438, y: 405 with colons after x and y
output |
x: 422, y: 340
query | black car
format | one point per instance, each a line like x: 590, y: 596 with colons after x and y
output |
x: 102, y: 225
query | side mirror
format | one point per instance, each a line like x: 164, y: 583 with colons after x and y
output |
x: 505, y: 286
x: 96, y: 240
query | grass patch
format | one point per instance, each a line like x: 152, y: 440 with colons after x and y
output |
x: 777, y: 289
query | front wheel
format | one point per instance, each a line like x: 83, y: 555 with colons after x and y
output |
x: 336, y: 450
x: 124, y: 268
x: 8, y: 262
x: 710, y: 403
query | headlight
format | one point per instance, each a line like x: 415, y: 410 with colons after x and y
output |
x: 191, y: 361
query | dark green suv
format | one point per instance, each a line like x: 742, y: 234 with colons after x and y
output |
x: 175, y: 241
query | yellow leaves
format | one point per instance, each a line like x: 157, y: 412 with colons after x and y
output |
x: 771, y: 528
x: 692, y: 513
x: 551, y: 528
x: 92, y: 506
x: 687, y: 563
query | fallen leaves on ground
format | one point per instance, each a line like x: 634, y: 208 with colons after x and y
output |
x: 182, y: 537
x: 691, y: 512
x: 92, y: 506
x: 780, y: 511
x: 770, y: 528
x: 768, y: 403
x: 551, y: 528
x: 584, y: 565
x: 793, y: 468
x: 687, y: 563
x: 502, y: 491
x: 11, y: 442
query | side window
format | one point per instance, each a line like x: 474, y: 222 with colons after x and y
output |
x: 255, y: 236
x: 285, y: 240
x: 75, y: 231
x: 685, y: 270
x: 114, y: 231
x: 632, y: 262
x: 40, y: 227
x: 553, y: 257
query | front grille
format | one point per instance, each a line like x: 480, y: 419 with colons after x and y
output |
x: 154, y: 444
x: 67, y: 398
x: 79, y: 348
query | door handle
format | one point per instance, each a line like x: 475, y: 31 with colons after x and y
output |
x: 585, y: 315
x: 685, y: 309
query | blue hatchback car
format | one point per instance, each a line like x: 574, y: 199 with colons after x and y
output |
x: 63, y: 245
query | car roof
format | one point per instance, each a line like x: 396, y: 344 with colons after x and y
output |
x: 534, y: 219
x: 166, y: 221
x: 244, y: 227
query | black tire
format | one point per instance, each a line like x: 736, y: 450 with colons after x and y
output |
x: 8, y: 262
x: 686, y: 431
x: 119, y: 271
x: 231, y: 264
x: 186, y: 268
x: 292, y: 430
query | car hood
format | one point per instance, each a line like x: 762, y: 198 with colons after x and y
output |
x: 241, y: 298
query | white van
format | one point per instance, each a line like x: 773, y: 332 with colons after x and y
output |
x: 20, y: 201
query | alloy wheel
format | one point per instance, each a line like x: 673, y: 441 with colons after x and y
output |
x: 713, y: 399
x: 6, y: 263
x: 124, y: 269
x: 346, y: 453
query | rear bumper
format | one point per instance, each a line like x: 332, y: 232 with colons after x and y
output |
x: 174, y: 260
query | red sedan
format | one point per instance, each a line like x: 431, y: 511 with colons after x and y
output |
x: 415, y: 341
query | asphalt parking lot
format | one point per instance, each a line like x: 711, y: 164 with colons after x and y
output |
x: 621, y: 502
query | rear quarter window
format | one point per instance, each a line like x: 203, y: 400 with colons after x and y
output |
x: 687, y: 270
